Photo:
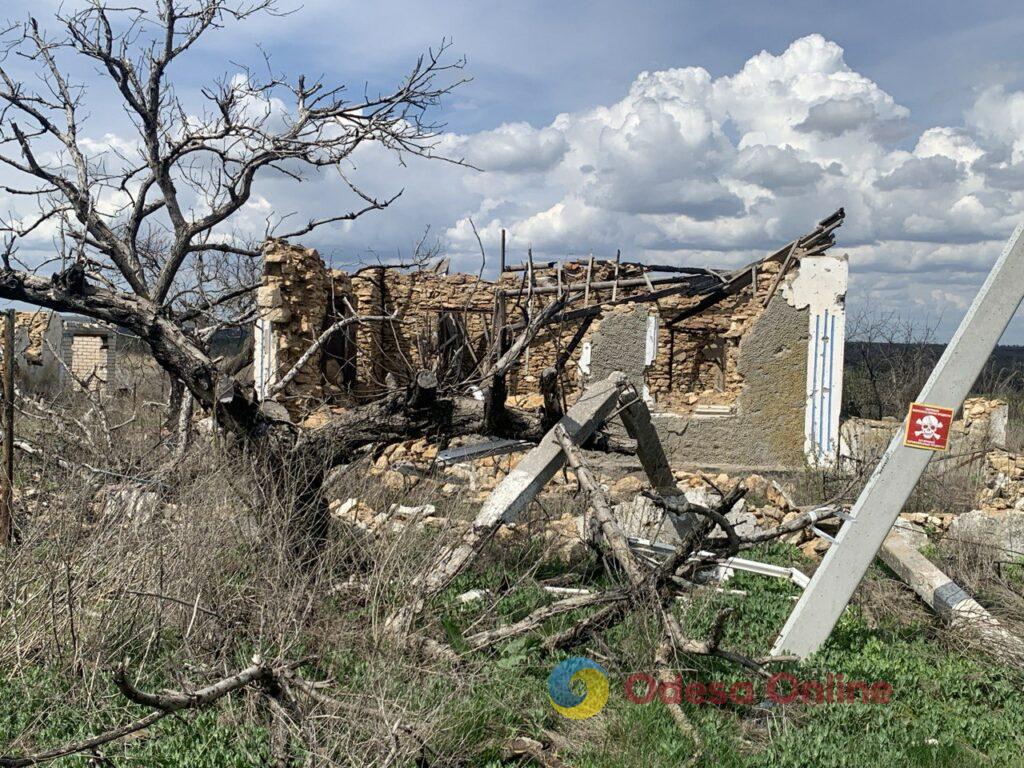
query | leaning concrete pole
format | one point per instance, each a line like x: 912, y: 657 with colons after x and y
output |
x: 897, y: 473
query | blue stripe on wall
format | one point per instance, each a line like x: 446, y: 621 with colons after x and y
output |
x: 814, y: 384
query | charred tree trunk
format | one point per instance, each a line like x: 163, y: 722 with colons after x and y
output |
x: 422, y: 391
x: 552, y: 392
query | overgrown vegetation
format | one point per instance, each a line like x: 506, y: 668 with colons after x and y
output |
x: 191, y: 577
x: 160, y: 560
x: 889, y: 358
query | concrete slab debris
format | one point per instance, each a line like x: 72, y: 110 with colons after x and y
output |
x: 944, y: 596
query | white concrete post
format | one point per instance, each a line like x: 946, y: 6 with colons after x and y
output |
x: 893, y: 480
x: 820, y: 285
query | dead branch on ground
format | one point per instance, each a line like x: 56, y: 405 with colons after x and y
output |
x: 259, y: 674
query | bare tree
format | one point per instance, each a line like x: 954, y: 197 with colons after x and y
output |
x: 138, y: 228
x: 889, y: 357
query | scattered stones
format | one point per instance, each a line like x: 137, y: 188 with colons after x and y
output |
x: 744, y: 522
x: 355, y: 512
x: 474, y: 596
x: 778, y: 496
x: 627, y: 487
x: 640, y: 518
x: 814, y: 547
x: 413, y: 513
x: 998, y: 528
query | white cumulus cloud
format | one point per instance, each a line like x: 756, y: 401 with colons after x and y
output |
x: 693, y: 168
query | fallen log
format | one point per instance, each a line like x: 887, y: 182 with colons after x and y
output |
x: 390, y: 420
x: 534, y: 620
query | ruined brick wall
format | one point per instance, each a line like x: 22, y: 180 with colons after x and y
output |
x: 292, y: 304
x: 91, y: 360
x: 89, y: 350
x: 444, y: 321
x: 440, y: 318
x: 980, y: 427
x: 697, y: 361
x: 30, y: 330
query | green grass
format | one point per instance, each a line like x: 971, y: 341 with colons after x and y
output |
x: 42, y: 703
x: 947, y: 710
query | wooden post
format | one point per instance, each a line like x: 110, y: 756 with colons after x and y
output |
x: 7, y: 475
x: 502, y: 252
x: 529, y: 303
x: 615, y: 281
x: 586, y: 289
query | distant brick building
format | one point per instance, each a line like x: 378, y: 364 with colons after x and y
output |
x: 86, y: 349
x: 89, y: 350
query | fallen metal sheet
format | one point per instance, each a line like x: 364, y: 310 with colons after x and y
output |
x: 497, y: 447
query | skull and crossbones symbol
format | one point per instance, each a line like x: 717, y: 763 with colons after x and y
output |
x: 930, y: 427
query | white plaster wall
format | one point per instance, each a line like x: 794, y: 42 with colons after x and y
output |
x: 819, y: 284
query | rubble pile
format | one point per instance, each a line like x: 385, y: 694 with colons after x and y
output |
x: 998, y: 518
x: 766, y: 505
x: 998, y: 521
x: 404, y: 466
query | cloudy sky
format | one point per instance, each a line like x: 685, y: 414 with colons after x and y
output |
x: 688, y: 132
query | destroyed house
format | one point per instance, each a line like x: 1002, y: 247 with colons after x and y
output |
x: 89, y: 351
x: 741, y: 368
x: 51, y: 349
x: 37, y: 339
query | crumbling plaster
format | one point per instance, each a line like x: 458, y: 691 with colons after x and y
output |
x: 766, y: 430
x: 37, y: 336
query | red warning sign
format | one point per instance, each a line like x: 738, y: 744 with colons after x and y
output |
x: 928, y: 427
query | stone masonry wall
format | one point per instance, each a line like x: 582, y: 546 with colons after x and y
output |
x: 695, y: 364
x: 293, y: 300
x: 445, y: 322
